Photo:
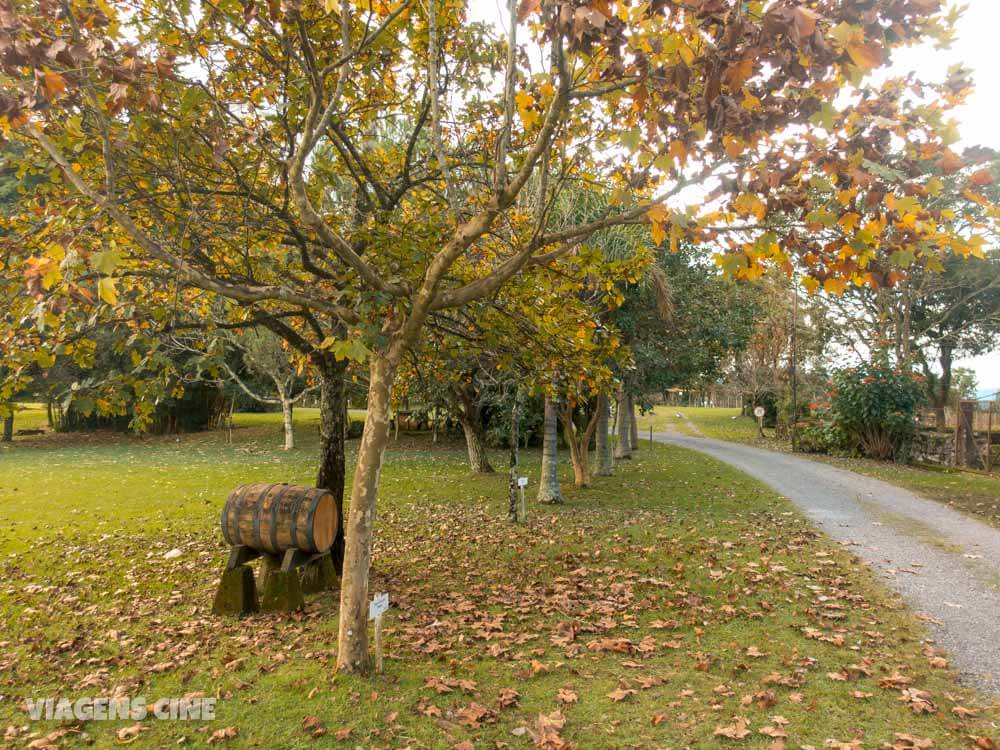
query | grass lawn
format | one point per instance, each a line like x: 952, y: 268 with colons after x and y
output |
x: 972, y: 493
x: 29, y: 417
x: 676, y: 604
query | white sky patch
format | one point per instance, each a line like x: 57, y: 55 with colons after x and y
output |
x: 975, y: 47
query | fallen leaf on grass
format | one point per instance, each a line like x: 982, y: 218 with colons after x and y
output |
x: 226, y: 733
x: 565, y: 695
x: 619, y: 694
x: 474, y: 715
x: 738, y: 730
x: 130, y: 734
x: 313, y: 726
x: 919, y: 701
x: 545, y: 732
x: 907, y: 742
x: 508, y: 697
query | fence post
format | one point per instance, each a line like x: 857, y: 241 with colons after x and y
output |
x: 966, y: 451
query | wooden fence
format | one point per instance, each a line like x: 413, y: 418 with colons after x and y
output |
x: 985, y: 417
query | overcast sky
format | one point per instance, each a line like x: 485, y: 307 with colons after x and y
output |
x: 977, y: 48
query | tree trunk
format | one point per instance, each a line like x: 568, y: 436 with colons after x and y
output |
x: 944, y: 386
x: 512, y: 489
x: 286, y: 419
x: 332, y: 433
x: 8, y: 427
x: 623, y: 448
x: 633, y: 425
x: 579, y: 446
x: 605, y: 464
x: 352, y: 649
x: 478, y: 460
x: 548, y: 484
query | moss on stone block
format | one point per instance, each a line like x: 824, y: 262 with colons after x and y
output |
x: 237, y: 594
x: 280, y: 591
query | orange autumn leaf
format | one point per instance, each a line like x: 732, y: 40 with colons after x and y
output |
x: 865, y: 56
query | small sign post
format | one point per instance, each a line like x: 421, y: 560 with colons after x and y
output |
x: 522, y: 482
x: 759, y: 413
x: 378, y: 607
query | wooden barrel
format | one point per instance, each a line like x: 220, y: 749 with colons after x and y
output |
x: 277, y: 517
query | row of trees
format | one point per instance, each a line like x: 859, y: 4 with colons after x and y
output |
x: 355, y: 176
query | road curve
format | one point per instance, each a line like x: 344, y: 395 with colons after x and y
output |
x: 946, y: 564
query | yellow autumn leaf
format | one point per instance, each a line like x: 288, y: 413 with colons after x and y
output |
x: 733, y: 146
x: 849, y: 221
x: 107, y: 291
x: 657, y: 213
x: 835, y: 285
x: 525, y: 102
x: 865, y: 56
x: 659, y: 233
x: 750, y: 102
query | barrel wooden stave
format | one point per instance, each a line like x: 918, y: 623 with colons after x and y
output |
x: 273, y: 518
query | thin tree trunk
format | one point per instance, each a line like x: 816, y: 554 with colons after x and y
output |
x: 633, y: 424
x: 332, y: 434
x: 605, y: 464
x: 8, y: 427
x: 548, y: 484
x: 352, y: 649
x: 478, y: 460
x: 622, y: 446
x: 512, y: 488
x: 286, y: 419
x: 579, y: 445
x: 944, y: 386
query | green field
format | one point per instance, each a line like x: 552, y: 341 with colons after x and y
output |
x: 672, y: 601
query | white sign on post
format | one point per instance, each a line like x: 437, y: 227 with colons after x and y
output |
x: 759, y: 412
x: 522, y: 482
x: 378, y: 606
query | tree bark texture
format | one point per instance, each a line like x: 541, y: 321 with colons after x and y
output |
x: 352, y: 649
x: 605, y: 463
x: 332, y: 432
x: 943, y: 386
x: 286, y: 420
x: 8, y: 429
x: 478, y: 460
x: 548, y: 484
x: 623, y: 449
x: 633, y: 424
x: 579, y: 445
x: 512, y: 488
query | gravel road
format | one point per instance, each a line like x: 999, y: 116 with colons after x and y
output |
x: 944, y: 563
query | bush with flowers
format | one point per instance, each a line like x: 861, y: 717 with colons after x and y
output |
x: 871, y: 411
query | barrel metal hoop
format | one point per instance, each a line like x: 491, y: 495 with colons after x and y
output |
x: 256, y: 516
x: 310, y: 531
x: 236, y: 496
x: 274, y: 516
x: 295, y: 519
